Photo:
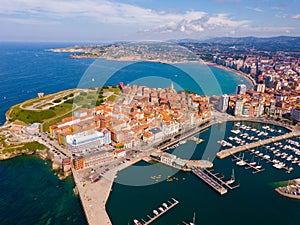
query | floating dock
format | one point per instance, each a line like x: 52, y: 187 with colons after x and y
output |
x: 160, y: 211
x: 210, y: 181
x: 269, y: 160
x: 255, y: 170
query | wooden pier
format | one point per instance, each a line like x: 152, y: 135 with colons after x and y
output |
x: 160, y: 213
x: 210, y: 181
x: 256, y: 170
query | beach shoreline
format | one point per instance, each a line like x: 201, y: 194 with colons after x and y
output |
x: 240, y: 73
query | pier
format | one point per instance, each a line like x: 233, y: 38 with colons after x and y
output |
x: 256, y: 170
x: 164, y: 208
x: 220, y: 180
x: 210, y: 181
x: 225, y: 153
x: 270, y: 161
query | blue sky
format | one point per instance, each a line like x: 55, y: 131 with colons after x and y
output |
x: 113, y: 20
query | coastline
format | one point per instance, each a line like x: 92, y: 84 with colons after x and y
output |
x: 240, y: 73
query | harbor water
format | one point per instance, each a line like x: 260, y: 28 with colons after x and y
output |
x: 254, y: 202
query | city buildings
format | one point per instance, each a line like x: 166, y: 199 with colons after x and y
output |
x: 146, y: 116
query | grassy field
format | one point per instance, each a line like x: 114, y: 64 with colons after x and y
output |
x: 53, y: 115
x: 30, y: 116
x: 47, y: 97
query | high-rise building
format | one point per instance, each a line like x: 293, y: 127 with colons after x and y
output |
x: 238, y: 107
x: 241, y: 89
x: 223, y: 103
x: 260, y: 88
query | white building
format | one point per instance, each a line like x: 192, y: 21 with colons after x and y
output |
x: 238, y: 107
x: 80, y: 142
x: 260, y: 88
x: 241, y: 89
x: 223, y: 103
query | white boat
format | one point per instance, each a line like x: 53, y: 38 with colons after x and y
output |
x: 155, y: 212
x: 194, y: 220
x: 232, y: 179
x: 161, y: 209
x: 136, y: 222
x: 258, y: 166
x: 235, y: 131
x: 241, y: 163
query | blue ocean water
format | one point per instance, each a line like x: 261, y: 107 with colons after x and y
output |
x: 29, y: 192
x: 27, y: 68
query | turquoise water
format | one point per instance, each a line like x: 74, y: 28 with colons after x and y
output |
x: 254, y: 202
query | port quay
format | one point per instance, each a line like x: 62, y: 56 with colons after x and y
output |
x: 96, y: 194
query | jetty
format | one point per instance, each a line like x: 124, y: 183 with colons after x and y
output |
x: 160, y: 211
x: 230, y: 151
x: 219, y: 179
x: 210, y: 181
x: 256, y: 170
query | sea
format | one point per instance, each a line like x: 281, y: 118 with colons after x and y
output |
x: 139, y: 190
x: 32, y: 194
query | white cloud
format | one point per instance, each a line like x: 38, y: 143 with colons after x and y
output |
x: 297, y: 16
x: 256, y: 9
x: 98, y: 10
x: 129, y: 18
x: 200, y: 22
x: 27, y: 21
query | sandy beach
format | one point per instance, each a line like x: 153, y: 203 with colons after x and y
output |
x: 251, y: 80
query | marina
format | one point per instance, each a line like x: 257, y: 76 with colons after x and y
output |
x: 157, y: 212
x: 227, y: 152
x: 242, y: 162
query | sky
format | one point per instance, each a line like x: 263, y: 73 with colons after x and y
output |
x: 140, y: 20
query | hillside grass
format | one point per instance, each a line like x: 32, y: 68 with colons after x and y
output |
x: 31, y: 116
